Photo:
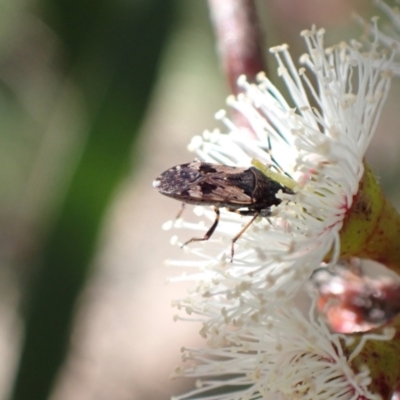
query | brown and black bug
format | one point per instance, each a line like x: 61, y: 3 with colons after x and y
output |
x: 246, y: 191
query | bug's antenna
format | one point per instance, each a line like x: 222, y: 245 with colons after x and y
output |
x: 276, y: 164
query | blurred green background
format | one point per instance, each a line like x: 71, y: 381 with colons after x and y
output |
x: 96, y: 99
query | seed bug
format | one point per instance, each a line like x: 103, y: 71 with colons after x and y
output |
x: 246, y: 191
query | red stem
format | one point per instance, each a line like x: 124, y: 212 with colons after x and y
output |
x: 239, y: 39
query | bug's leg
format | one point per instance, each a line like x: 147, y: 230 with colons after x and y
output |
x: 180, y: 211
x: 243, y: 230
x: 209, y: 232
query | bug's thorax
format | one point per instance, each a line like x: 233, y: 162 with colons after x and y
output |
x: 266, y: 189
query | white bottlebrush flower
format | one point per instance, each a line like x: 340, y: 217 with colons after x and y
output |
x: 319, y: 140
x: 260, y: 344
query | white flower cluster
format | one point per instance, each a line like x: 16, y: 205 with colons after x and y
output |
x: 260, y: 343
